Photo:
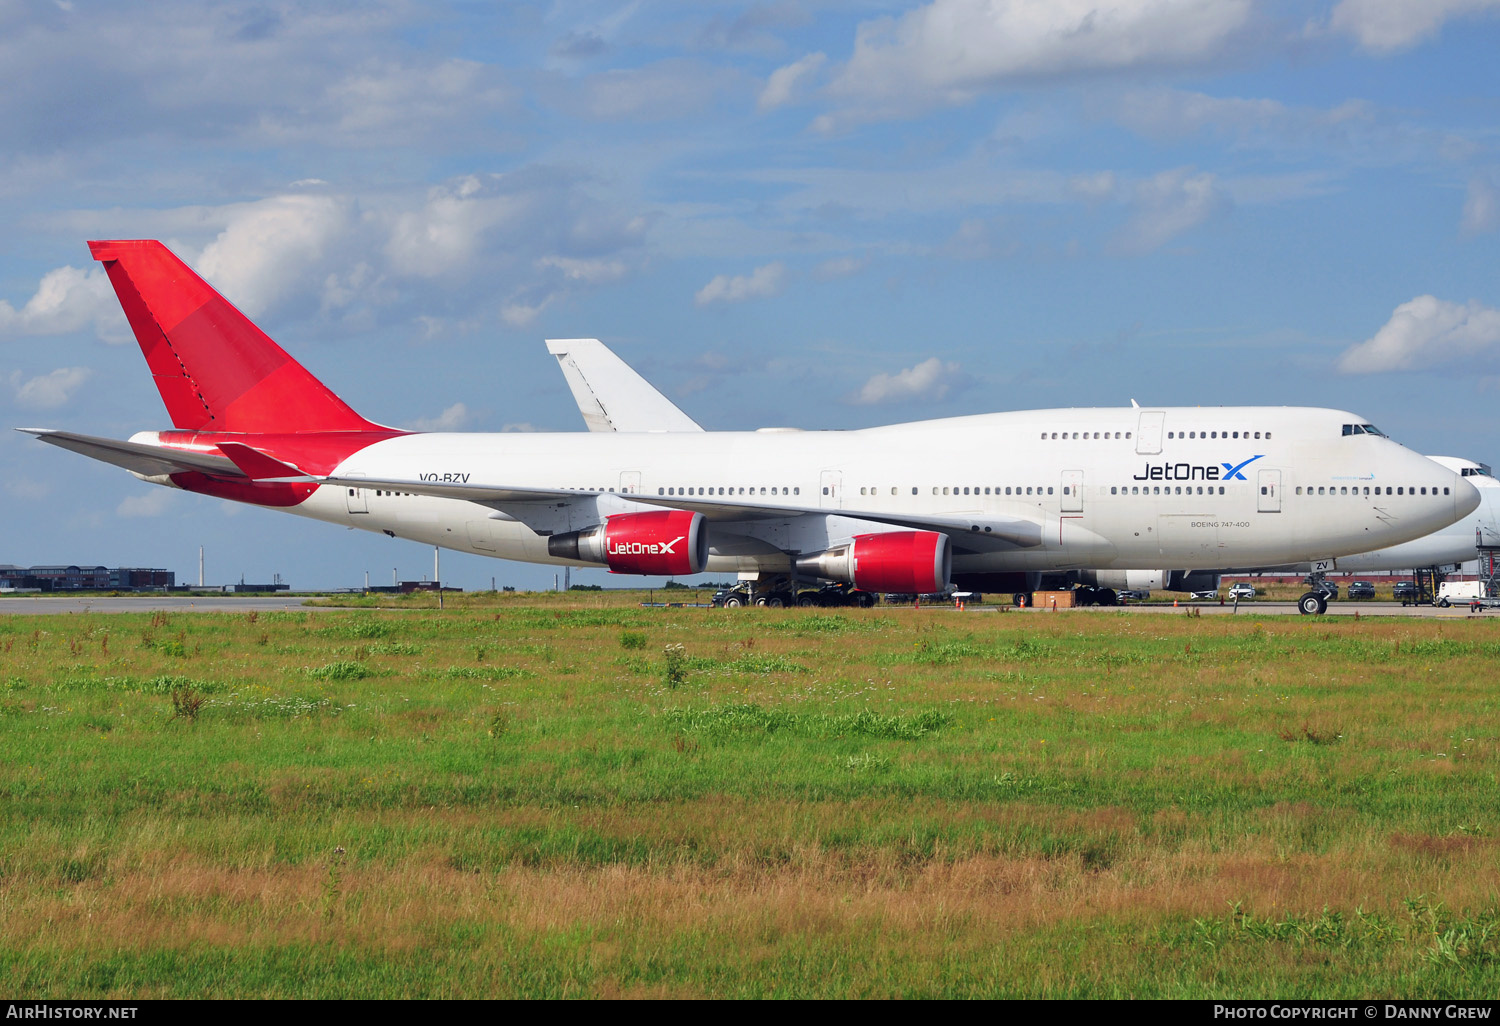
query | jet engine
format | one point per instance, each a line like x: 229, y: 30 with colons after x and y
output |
x: 904, y: 561
x: 1193, y: 580
x: 669, y: 542
x: 1152, y: 580
x: 1128, y: 580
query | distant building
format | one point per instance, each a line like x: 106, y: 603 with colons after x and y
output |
x: 84, y: 578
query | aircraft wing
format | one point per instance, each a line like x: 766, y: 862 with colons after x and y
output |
x: 610, y: 394
x: 972, y: 534
x: 150, y: 460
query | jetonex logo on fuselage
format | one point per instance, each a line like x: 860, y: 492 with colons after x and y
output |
x: 1195, y: 471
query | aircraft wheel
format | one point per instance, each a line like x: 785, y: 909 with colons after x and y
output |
x: 1314, y: 603
x: 733, y: 602
x: 1107, y: 597
x: 863, y: 599
x: 1086, y: 596
x: 784, y: 598
x: 1019, y: 599
x: 806, y: 599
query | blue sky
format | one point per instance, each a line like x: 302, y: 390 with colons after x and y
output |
x: 823, y: 215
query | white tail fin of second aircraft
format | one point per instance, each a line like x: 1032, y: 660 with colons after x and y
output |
x: 610, y: 395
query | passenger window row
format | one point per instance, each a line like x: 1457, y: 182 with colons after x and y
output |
x: 774, y: 490
x: 1065, y: 435
x: 1355, y: 490
x: 972, y: 490
x: 1215, y: 434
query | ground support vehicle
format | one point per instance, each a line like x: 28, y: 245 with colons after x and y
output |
x: 779, y: 591
x: 1479, y: 595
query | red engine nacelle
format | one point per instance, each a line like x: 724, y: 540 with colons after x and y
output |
x: 670, y: 542
x: 902, y: 561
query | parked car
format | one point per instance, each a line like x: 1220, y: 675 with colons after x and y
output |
x: 1361, y: 590
x: 1242, y: 590
x: 1133, y: 595
x: 1202, y: 595
x: 1327, y: 588
x: 1404, y: 589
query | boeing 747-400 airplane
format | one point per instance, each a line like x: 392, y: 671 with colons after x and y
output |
x: 907, y: 507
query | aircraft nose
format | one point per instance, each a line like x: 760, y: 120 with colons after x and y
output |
x: 1465, y: 498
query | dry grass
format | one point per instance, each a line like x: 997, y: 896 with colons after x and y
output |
x: 527, y: 806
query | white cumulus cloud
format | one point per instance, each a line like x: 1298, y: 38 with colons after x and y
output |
x: 453, y: 418
x: 786, y: 84
x: 270, y: 248
x: 929, y: 379
x: 1425, y: 332
x: 948, y: 50
x: 523, y: 314
x: 67, y: 299
x: 448, y: 231
x: 1168, y: 204
x: 761, y: 283
x: 48, y: 391
x: 1386, y: 26
x: 591, y: 272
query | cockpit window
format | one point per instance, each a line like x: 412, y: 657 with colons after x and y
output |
x: 1362, y: 429
x: 1371, y: 429
x: 1483, y: 470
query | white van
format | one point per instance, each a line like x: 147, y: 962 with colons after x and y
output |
x: 1473, y: 593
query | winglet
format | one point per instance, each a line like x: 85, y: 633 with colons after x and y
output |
x: 260, y: 467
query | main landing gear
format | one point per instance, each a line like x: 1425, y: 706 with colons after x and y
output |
x: 779, y: 592
x: 1088, y: 595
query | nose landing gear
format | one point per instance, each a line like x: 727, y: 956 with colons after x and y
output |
x: 1314, y: 603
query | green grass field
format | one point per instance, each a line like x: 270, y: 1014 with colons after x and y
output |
x: 578, y: 797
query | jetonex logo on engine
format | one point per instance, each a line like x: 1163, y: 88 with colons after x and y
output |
x: 632, y: 548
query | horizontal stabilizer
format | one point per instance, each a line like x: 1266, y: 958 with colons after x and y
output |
x: 259, y: 467
x: 149, y: 460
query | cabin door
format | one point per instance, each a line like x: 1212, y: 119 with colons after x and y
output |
x: 1072, y: 491
x: 1269, y: 482
x: 358, y: 501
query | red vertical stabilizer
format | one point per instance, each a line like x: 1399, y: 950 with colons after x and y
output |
x: 215, y: 370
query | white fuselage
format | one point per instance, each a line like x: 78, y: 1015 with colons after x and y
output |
x: 1452, y: 545
x: 1187, y: 488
